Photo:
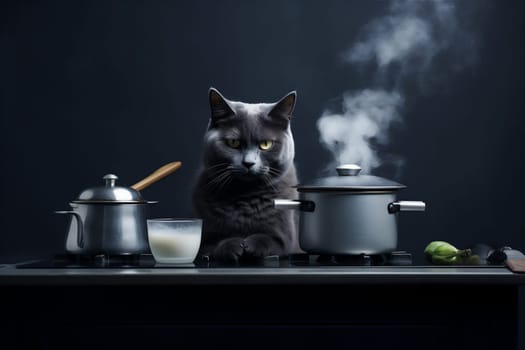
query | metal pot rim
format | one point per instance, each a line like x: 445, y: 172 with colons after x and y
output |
x: 112, y: 202
x: 352, y: 189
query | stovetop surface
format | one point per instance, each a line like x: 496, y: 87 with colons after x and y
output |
x: 398, y: 258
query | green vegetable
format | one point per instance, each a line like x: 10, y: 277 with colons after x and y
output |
x: 444, y: 253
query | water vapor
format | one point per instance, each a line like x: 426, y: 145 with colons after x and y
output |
x: 403, y: 43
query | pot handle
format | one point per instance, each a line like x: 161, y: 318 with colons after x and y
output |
x: 80, y: 225
x: 157, y: 175
x: 394, y: 207
x: 301, y: 205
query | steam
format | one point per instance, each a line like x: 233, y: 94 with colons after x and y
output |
x: 400, y: 46
x: 393, y: 39
x: 366, y: 116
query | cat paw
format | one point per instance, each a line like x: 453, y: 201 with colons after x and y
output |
x: 259, y: 246
x: 229, y: 251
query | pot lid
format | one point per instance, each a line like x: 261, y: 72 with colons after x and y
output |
x: 349, y: 179
x: 110, y: 193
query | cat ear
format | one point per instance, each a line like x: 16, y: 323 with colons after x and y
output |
x: 220, y: 108
x: 282, y: 111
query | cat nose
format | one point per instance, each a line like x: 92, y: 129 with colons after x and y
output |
x: 248, y: 164
x: 249, y: 159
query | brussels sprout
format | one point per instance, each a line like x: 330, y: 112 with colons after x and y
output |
x: 444, y: 253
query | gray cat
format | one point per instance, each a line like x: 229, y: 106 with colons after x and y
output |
x: 248, y: 161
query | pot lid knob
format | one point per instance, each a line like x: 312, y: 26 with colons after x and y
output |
x: 110, y: 180
x: 348, y: 170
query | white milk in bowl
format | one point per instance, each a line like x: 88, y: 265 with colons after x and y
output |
x: 174, y: 241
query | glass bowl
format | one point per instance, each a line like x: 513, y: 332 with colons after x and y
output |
x: 174, y: 241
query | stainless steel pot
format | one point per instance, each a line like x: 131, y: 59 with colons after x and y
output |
x: 349, y: 213
x: 111, y: 219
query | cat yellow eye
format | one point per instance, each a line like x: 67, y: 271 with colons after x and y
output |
x: 233, y: 143
x: 266, y: 145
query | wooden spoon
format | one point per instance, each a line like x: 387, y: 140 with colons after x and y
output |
x: 158, y: 174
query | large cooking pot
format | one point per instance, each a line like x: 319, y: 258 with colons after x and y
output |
x: 349, y: 213
x: 111, y: 219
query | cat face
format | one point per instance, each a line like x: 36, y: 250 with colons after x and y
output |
x: 249, y: 141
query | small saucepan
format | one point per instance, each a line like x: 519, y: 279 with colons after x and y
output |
x: 349, y: 213
x: 111, y: 219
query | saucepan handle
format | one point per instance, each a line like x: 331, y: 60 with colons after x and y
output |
x: 301, y: 205
x: 80, y: 225
x: 394, y: 207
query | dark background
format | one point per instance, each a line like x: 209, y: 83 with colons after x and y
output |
x: 97, y: 87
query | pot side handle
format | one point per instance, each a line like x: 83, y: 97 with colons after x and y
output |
x: 80, y: 225
x: 394, y: 207
x: 301, y: 205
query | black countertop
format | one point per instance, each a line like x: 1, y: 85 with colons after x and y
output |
x: 350, y: 275
x: 174, y: 304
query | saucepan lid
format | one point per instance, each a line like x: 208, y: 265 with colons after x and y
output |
x: 110, y: 193
x: 349, y: 179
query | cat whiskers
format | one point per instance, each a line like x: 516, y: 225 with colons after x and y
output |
x: 224, y: 182
x: 219, y: 178
x: 274, y: 172
x: 223, y: 164
x: 268, y: 181
x: 222, y: 167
